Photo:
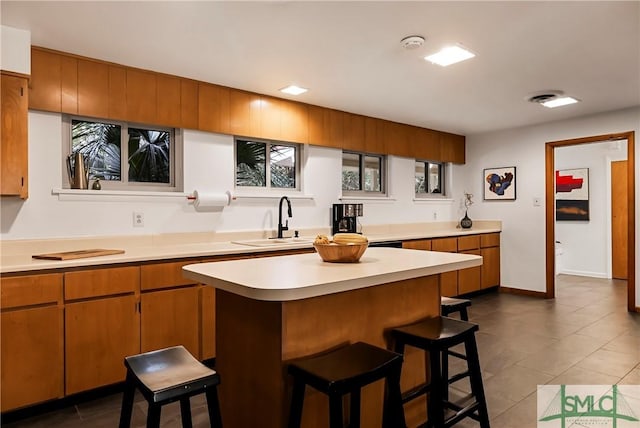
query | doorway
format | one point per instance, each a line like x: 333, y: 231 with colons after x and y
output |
x: 630, y: 209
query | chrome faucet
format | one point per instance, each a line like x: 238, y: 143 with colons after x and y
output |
x: 282, y: 228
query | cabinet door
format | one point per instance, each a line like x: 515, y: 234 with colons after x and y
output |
x: 207, y: 322
x: 98, y: 335
x: 189, y: 103
x: 68, y: 85
x: 326, y: 127
x: 117, y: 92
x: 471, y: 242
x: 93, y: 88
x: 13, y: 138
x: 270, y: 117
x: 452, y: 148
x: 490, y: 266
x: 142, y: 96
x: 374, y: 135
x: 449, y: 284
x: 169, y: 111
x: 354, y: 133
x: 294, y: 121
x: 32, y: 356
x: 169, y: 318
x: 45, y: 82
x: 469, y: 279
x: 213, y: 108
x: 426, y: 145
x: 396, y: 136
x: 244, y: 113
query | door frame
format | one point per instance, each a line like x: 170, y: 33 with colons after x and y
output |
x: 550, y: 209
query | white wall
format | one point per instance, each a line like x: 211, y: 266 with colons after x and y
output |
x: 15, y: 52
x: 208, y: 166
x: 586, y: 245
x: 523, y: 237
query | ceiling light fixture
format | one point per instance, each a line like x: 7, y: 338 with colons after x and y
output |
x: 552, y: 99
x: 450, y: 55
x: 412, y: 42
x: 559, y: 102
x: 293, y: 90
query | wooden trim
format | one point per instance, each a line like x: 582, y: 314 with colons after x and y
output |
x: 549, y: 212
x: 15, y: 74
x: 520, y: 292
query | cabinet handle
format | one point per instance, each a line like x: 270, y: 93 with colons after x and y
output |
x: 21, y: 91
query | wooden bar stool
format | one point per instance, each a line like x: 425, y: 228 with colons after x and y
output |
x: 450, y: 305
x: 436, y: 336
x: 165, y: 376
x: 345, y: 371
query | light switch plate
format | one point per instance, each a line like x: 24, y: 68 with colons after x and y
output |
x: 537, y: 202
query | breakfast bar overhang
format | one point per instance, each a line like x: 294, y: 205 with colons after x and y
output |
x: 273, y: 310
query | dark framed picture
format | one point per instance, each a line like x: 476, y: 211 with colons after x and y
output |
x: 572, y: 194
x: 500, y: 184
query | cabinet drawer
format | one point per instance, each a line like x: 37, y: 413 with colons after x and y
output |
x: 468, y: 242
x: 490, y: 240
x: 449, y: 245
x: 101, y: 282
x: 30, y: 290
x: 164, y: 275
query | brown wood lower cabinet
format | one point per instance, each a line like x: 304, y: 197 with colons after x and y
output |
x: 98, y: 335
x: 32, y: 367
x: 31, y: 340
x: 169, y: 318
x: 468, y: 280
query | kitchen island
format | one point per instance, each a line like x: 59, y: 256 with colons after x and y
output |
x: 270, y: 311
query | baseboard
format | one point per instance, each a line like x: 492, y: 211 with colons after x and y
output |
x: 582, y: 273
x: 509, y: 290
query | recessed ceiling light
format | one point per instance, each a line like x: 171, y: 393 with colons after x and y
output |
x: 449, y: 55
x: 294, y: 90
x: 559, y: 102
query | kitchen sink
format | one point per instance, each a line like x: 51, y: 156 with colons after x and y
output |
x: 274, y: 242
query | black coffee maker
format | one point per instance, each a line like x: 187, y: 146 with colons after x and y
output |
x: 344, y: 217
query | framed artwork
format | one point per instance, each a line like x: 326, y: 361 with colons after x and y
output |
x: 500, y: 184
x: 572, y: 194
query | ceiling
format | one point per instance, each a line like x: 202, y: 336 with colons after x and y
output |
x: 349, y: 54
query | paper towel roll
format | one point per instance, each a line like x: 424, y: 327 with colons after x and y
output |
x: 206, y: 201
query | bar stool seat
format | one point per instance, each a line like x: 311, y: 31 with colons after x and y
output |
x: 165, y: 376
x: 450, y: 305
x: 436, y: 336
x: 345, y: 371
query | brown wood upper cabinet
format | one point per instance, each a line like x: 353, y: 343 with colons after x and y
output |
x: 14, y: 165
x: 142, y: 96
x: 70, y: 84
x: 244, y: 113
x: 45, y: 82
x: 326, y: 127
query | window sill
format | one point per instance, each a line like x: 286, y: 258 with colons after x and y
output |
x: 367, y: 198
x: 433, y: 200
x: 274, y: 196
x: 115, y: 195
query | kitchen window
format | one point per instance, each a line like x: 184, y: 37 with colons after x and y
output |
x: 429, y: 179
x: 363, y: 174
x: 124, y: 156
x: 267, y: 164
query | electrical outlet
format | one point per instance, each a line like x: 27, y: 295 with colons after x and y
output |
x: 138, y: 219
x: 435, y: 215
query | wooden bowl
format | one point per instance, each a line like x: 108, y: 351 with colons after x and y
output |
x: 341, y: 253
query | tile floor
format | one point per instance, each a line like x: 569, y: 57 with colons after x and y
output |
x: 584, y: 336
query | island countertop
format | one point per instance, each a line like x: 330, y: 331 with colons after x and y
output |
x: 301, y: 276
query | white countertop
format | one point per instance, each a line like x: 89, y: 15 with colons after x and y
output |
x: 16, y: 255
x: 302, y: 276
